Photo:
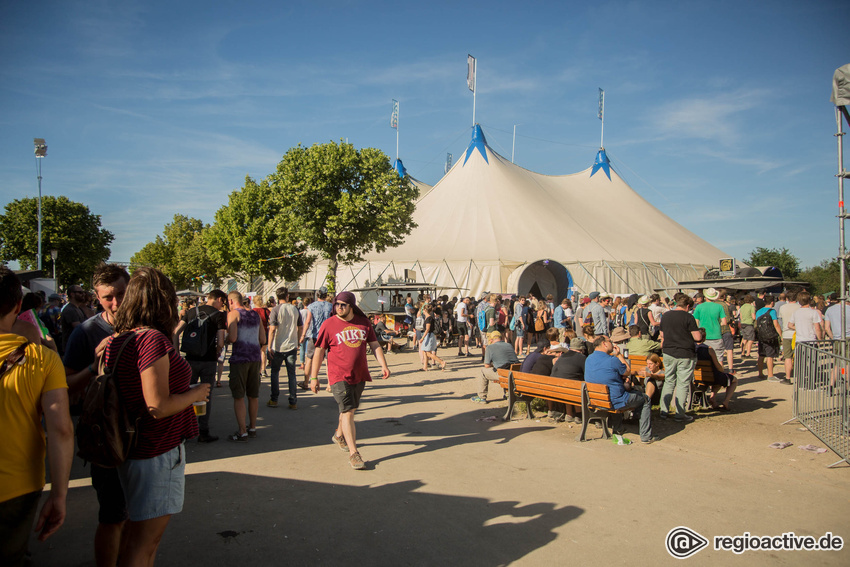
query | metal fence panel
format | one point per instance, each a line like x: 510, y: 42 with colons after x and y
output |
x: 821, y: 372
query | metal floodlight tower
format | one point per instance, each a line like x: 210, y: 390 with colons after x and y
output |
x: 40, y: 152
x: 54, y: 254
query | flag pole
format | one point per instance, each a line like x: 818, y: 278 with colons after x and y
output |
x: 396, y: 136
x: 472, y: 81
x: 602, y: 118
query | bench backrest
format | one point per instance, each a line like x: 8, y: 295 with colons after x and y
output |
x: 598, y: 396
x: 703, y: 372
x: 504, y: 374
x: 546, y: 387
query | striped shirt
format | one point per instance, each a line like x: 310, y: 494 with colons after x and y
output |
x: 156, y: 436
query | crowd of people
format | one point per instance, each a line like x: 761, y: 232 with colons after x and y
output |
x: 671, y: 334
x: 50, y: 352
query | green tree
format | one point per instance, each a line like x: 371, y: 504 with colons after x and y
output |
x: 781, y: 258
x: 825, y: 277
x: 181, y: 253
x: 67, y: 226
x: 251, y: 236
x: 344, y: 202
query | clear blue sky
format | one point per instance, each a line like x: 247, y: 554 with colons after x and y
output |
x: 716, y: 112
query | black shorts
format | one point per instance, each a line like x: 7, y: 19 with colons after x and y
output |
x: 110, y: 495
x: 769, y: 349
x: 347, y: 395
x: 723, y: 379
x: 461, y: 328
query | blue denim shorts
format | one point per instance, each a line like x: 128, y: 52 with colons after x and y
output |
x: 154, y: 487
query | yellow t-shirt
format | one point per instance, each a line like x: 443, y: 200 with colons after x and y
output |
x: 23, y: 448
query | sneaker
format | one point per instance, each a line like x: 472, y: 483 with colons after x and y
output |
x: 357, y: 462
x: 773, y: 379
x: 272, y: 403
x: 340, y: 441
x: 478, y: 400
x: 683, y: 418
x: 785, y: 381
x: 651, y: 440
x: 207, y: 438
x: 461, y: 354
x: 293, y: 406
x: 252, y: 433
x: 663, y: 415
x: 243, y: 438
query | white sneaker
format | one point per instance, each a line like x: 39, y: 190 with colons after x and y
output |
x: 772, y: 379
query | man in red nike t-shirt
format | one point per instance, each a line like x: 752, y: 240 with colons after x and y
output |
x: 344, y: 338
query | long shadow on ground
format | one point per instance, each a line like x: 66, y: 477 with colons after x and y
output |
x: 242, y: 519
x: 315, y: 420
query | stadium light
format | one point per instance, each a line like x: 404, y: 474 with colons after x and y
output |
x: 40, y: 152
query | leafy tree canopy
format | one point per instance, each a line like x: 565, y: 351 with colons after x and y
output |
x: 67, y: 226
x: 825, y: 277
x: 253, y: 236
x: 181, y: 253
x: 343, y: 202
x: 781, y: 258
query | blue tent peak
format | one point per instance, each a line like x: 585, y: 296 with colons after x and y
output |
x: 603, y: 162
x: 478, y: 142
x: 399, y: 167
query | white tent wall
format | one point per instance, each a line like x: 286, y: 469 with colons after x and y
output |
x: 474, y: 278
x: 630, y: 277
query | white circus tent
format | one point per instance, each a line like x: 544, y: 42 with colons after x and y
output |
x: 490, y: 225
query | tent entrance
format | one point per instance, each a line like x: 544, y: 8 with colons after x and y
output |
x: 542, y: 278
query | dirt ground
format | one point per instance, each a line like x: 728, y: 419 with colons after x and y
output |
x: 448, y: 482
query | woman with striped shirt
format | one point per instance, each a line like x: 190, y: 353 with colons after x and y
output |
x: 154, y: 383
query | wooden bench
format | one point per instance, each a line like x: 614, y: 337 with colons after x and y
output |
x: 590, y: 398
x: 703, y: 378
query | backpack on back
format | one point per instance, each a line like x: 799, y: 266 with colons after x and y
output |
x: 631, y: 318
x: 765, y: 329
x: 196, y: 337
x: 105, y: 431
x: 482, y: 319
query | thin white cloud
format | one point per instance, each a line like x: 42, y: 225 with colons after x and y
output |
x: 715, y: 118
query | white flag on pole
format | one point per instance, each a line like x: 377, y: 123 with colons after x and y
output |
x: 601, y: 113
x: 394, y: 118
x: 470, y: 73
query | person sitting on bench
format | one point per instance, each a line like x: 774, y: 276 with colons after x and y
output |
x: 606, y: 365
x: 641, y: 346
x: 385, y: 336
x: 722, y: 379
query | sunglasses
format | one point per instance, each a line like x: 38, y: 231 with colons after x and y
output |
x: 341, y: 305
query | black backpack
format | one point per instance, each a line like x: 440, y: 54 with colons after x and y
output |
x: 765, y: 329
x: 196, y: 337
x: 105, y: 431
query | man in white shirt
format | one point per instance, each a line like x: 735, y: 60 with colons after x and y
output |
x: 807, y: 322
x: 285, y: 329
x: 785, y: 313
x: 462, y: 318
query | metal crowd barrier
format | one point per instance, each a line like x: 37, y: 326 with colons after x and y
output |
x: 821, y: 373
